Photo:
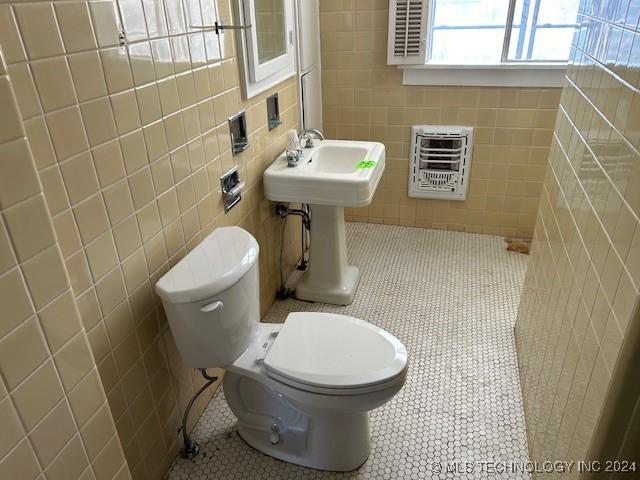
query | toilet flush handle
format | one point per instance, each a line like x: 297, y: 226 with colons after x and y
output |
x: 212, y: 307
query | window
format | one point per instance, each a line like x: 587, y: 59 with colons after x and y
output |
x: 528, y: 41
x: 268, y: 55
x: 480, y: 32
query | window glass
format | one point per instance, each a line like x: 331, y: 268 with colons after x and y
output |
x: 470, y: 12
x: 467, y: 31
x: 552, y: 44
x: 554, y: 11
x: 543, y: 30
x: 467, y: 47
x: 472, y: 32
x: 270, y: 29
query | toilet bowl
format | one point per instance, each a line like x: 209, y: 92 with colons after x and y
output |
x: 301, y: 390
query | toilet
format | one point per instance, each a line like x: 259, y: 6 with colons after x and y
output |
x: 301, y: 390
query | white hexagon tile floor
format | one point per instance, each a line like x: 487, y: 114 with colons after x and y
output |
x: 452, y: 299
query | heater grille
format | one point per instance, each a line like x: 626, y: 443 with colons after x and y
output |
x: 441, y: 161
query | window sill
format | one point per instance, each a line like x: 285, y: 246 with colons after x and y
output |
x: 504, y: 75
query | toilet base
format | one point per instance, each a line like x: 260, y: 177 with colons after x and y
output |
x: 333, y: 450
x: 268, y: 422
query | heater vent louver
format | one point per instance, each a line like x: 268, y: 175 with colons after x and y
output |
x: 440, y: 161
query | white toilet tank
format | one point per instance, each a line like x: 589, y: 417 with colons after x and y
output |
x: 212, y: 300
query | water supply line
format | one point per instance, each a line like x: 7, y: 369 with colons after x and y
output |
x: 304, y: 234
x: 283, y: 211
x: 190, y: 448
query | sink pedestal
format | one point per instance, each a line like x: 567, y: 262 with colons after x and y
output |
x: 328, y: 278
x: 331, y: 175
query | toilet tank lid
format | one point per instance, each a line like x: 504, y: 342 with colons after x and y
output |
x: 213, y: 266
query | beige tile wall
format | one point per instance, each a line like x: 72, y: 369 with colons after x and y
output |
x: 129, y: 144
x: 581, y: 288
x: 54, y: 416
x: 364, y: 98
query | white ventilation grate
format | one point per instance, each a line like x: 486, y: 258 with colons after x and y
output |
x: 407, y: 31
x: 440, y: 161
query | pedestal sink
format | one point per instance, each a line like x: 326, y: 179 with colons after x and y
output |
x: 331, y: 175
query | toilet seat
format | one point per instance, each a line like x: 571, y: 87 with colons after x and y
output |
x: 335, y: 355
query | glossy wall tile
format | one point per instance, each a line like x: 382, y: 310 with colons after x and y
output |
x: 581, y: 289
x: 125, y: 109
x: 53, y: 410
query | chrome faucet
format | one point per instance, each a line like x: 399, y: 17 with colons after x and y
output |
x: 306, y: 137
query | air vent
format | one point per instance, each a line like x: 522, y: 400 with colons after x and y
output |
x: 407, y: 31
x: 440, y: 161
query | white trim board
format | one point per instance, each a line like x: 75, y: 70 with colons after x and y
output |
x: 485, y: 75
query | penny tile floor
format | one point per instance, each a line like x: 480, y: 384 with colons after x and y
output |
x: 452, y: 299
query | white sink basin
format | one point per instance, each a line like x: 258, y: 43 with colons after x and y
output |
x: 335, y: 172
x: 332, y: 175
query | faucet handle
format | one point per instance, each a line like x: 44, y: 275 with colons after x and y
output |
x: 293, y: 157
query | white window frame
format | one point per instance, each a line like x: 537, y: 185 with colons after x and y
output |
x: 257, y: 77
x: 507, y: 73
x: 519, y: 75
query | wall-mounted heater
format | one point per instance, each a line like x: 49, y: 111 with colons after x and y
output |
x: 440, y: 161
